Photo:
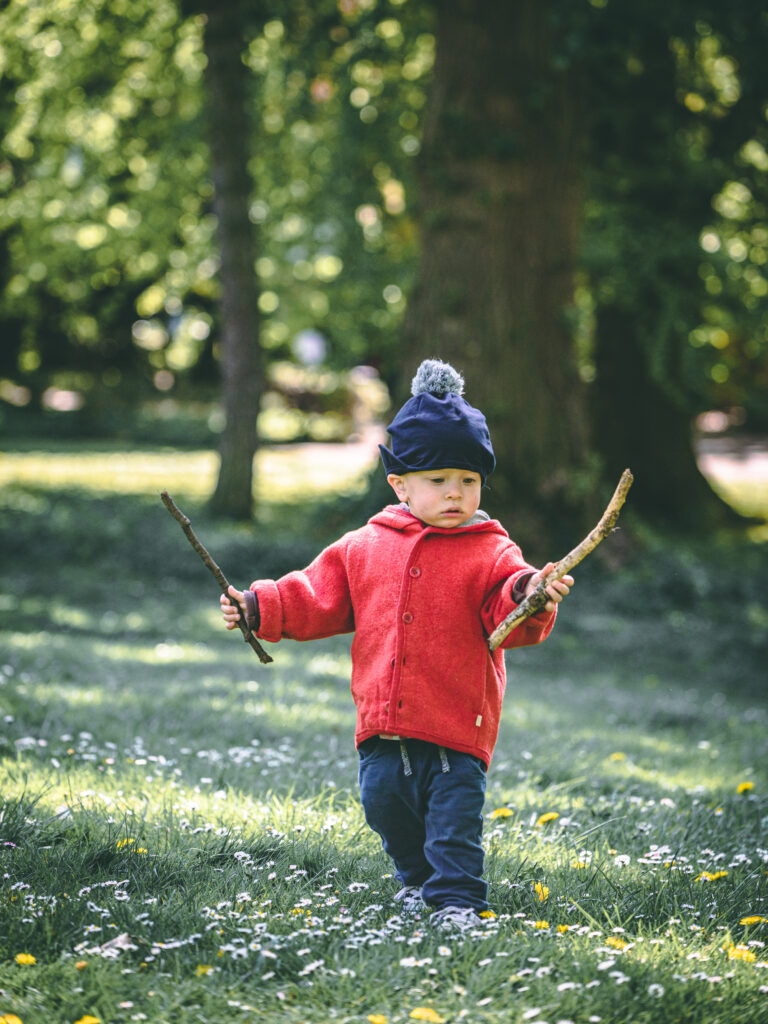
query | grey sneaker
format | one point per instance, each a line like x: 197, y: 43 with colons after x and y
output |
x: 459, y: 919
x: 410, y: 899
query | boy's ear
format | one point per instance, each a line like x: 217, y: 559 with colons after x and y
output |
x: 398, y: 486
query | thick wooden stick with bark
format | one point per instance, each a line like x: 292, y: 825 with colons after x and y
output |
x: 221, y: 579
x: 536, y: 601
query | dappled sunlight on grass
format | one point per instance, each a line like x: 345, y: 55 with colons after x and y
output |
x: 162, y: 787
x: 554, y: 749
x: 749, y: 498
x: 283, y: 473
x: 63, y: 615
x: 738, y: 472
x: 71, y: 696
x: 127, y: 472
x: 114, y: 686
x: 154, y: 654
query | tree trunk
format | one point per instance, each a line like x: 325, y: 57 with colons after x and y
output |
x: 241, y: 364
x: 656, y: 199
x: 638, y: 424
x: 500, y: 199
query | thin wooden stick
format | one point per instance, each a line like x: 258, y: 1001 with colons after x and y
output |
x: 536, y: 601
x: 221, y: 579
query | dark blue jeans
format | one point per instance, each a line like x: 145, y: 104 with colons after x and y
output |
x: 430, y: 821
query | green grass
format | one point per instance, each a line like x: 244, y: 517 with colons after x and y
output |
x: 162, y: 788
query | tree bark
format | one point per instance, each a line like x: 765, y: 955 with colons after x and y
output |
x: 241, y: 363
x: 637, y: 422
x: 500, y: 197
x: 645, y: 279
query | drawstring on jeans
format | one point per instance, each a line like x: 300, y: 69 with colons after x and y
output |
x: 445, y: 765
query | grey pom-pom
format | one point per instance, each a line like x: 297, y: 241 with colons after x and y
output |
x: 437, y: 378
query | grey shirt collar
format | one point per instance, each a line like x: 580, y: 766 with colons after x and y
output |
x: 478, y: 517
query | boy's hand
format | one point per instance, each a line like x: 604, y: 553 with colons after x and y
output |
x: 556, y: 591
x: 232, y: 607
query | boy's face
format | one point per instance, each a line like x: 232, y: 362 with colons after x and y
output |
x: 439, y: 497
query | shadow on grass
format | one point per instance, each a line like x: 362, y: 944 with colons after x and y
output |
x: 111, y: 629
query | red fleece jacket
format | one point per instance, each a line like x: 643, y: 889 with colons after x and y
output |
x: 422, y: 602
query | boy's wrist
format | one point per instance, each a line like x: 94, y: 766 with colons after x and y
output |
x: 252, y: 617
x: 520, y: 586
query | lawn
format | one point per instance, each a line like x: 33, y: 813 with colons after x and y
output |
x: 180, y: 835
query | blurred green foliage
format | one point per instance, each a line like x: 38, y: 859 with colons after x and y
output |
x: 107, y: 236
x: 108, y: 266
x: 676, y: 221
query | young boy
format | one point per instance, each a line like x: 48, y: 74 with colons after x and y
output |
x: 422, y: 585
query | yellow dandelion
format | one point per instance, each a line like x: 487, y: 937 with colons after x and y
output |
x: 740, y: 953
x: 753, y: 919
x: 542, y: 891
x: 744, y: 787
x: 88, y: 1019
x: 125, y: 842
x: 563, y: 928
x: 202, y: 969
x: 544, y: 819
x: 426, y: 1013
x: 617, y: 755
x: 9, y: 1018
x: 487, y: 914
x: 616, y: 942
x: 580, y: 865
x: 501, y: 812
x: 541, y: 924
x: 25, y: 958
x: 377, y: 1018
x: 710, y: 876
x: 81, y: 965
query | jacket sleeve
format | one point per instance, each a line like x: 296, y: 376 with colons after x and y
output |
x: 309, y: 604
x: 505, y: 584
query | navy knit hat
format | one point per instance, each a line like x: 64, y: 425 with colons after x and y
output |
x: 437, y: 428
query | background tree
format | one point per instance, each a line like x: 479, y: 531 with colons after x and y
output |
x: 106, y: 204
x: 500, y: 200
x: 99, y: 145
x: 313, y: 31
x: 231, y: 136
x: 694, y: 79
x: 565, y: 193
x: 592, y: 207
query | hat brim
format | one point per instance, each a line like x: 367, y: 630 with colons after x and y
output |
x: 394, y: 465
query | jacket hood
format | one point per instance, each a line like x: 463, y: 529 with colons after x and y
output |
x: 398, y: 518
